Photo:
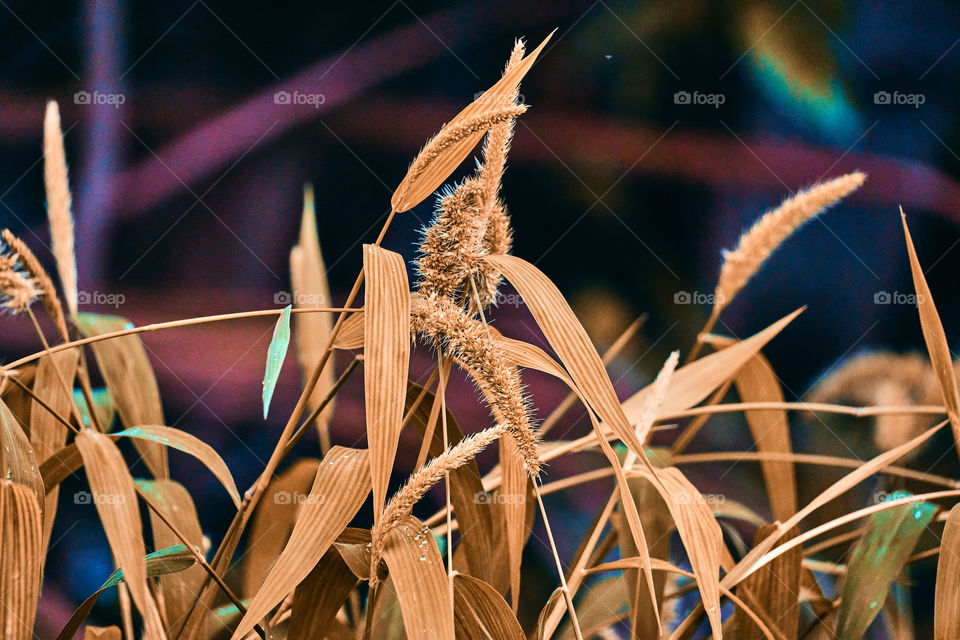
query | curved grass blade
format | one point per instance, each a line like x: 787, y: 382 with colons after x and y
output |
x: 317, y: 599
x: 474, y: 598
x: 876, y: 562
x: 17, y: 460
x: 339, y: 489
x: 131, y: 381
x: 181, y: 589
x: 772, y: 593
x: 102, y: 633
x: 935, y: 338
x: 273, y: 520
x: 116, y: 501
x: 159, y: 563
x: 183, y: 441
x: 276, y: 353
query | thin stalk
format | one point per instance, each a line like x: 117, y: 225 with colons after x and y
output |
x: 357, y: 359
x: 185, y: 322
x: 43, y: 404
x: 694, y: 427
x: 442, y: 390
x: 556, y: 557
x: 64, y: 387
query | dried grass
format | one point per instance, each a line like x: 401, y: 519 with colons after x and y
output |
x: 308, y: 578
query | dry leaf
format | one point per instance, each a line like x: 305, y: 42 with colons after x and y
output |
x: 421, y: 582
x: 21, y: 560
x: 386, y: 355
x: 946, y: 610
x: 130, y: 378
x: 116, y: 500
x: 308, y: 276
x: 339, y: 489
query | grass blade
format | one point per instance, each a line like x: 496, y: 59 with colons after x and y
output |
x: 420, y: 578
x: 274, y: 519
x: 772, y: 592
x: 17, y: 460
x: 876, y: 561
x: 308, y: 275
x: 132, y: 383
x: 946, y: 618
x: 116, y: 501
x: 436, y: 162
x: 183, y: 441
x: 317, y: 599
x: 339, y: 489
x: 21, y: 559
x: 180, y: 588
x: 276, y: 353
x: 476, y: 598
x: 386, y: 358
x: 934, y: 337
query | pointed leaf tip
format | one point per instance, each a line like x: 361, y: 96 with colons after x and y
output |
x: 275, y: 356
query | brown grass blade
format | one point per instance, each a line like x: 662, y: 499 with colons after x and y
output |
x: 934, y: 337
x: 769, y: 232
x: 181, y: 588
x: 116, y: 502
x: 513, y: 492
x: 47, y: 434
x: 657, y: 525
x: 386, y: 358
x: 274, y: 519
x: 420, y: 578
x: 772, y: 593
x: 351, y: 332
x: 387, y: 619
x: 102, y: 633
x: 569, y: 339
x: 130, y: 378
x: 946, y: 610
x: 701, y: 535
x: 756, y: 382
x: 354, y: 547
x: 21, y: 559
x: 308, y: 275
x: 17, y: 460
x: 440, y: 157
x: 183, y: 441
x: 694, y: 382
x: 58, y: 205
x: 477, y: 599
x: 317, y: 599
x: 603, y: 604
x: 339, y: 489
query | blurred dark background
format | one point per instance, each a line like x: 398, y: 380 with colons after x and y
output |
x: 658, y: 131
